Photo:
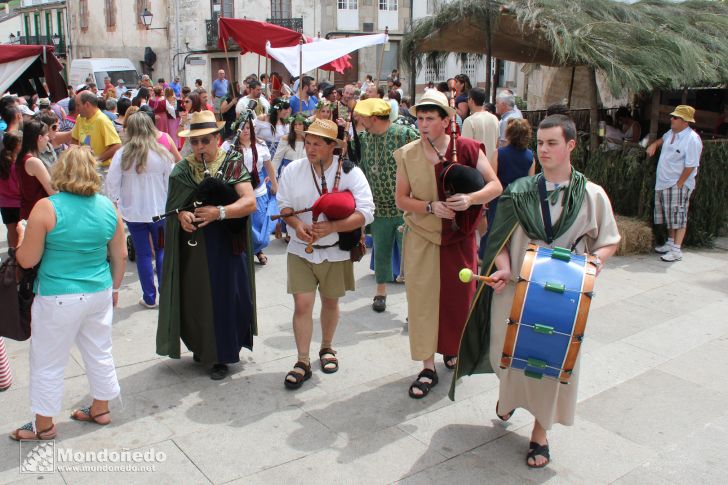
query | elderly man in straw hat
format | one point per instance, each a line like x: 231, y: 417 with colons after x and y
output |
x: 435, y: 249
x: 207, y: 297
x: 675, y: 182
x: 378, y: 144
x: 315, y: 257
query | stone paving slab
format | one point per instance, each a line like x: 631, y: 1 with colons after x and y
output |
x: 652, y: 395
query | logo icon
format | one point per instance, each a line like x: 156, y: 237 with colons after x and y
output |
x: 37, y: 456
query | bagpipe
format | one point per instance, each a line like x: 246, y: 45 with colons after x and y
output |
x: 216, y: 190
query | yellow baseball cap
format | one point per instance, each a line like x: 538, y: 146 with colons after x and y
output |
x: 373, y: 107
x: 685, y: 112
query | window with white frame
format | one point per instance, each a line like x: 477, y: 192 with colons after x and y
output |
x: 469, y: 67
x: 435, y: 72
x: 390, y: 5
x: 347, y: 4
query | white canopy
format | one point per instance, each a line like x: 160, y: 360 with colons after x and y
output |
x: 323, y: 51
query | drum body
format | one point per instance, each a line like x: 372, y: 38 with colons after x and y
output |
x: 549, y: 312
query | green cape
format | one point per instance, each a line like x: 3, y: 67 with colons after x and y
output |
x: 181, y: 193
x: 519, y: 205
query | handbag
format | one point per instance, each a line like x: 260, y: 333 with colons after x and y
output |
x: 16, y: 298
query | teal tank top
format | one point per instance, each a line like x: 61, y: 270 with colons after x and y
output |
x: 74, y: 259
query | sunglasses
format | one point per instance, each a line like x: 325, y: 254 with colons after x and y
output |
x: 675, y: 117
x: 196, y: 141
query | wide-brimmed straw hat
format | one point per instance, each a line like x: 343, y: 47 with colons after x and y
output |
x: 685, y: 112
x: 433, y: 98
x: 323, y: 128
x: 202, y: 123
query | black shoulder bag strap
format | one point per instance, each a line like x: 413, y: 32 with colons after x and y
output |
x: 545, y: 211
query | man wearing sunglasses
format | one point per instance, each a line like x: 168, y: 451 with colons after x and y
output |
x: 206, y: 298
x: 675, y: 181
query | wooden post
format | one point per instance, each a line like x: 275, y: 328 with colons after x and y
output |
x: 300, y: 71
x: 381, y: 60
x: 488, y: 61
x: 496, y: 80
x: 593, y: 111
x: 571, y: 86
x: 317, y: 69
x: 654, y: 114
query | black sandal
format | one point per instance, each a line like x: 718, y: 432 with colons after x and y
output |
x: 504, y: 417
x: 423, y: 386
x: 299, y: 378
x: 534, y: 450
x: 262, y: 258
x: 328, y: 360
x: 447, y: 360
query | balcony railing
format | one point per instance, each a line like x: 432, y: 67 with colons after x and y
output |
x: 60, y: 49
x: 212, y: 33
x: 295, y: 23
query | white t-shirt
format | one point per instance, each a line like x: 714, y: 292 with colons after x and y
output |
x: 263, y: 156
x: 297, y: 190
x: 683, y: 152
x: 140, y: 196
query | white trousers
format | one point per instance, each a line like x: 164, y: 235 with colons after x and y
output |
x: 58, y: 322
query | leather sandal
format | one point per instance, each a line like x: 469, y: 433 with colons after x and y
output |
x: 328, y: 361
x: 504, y: 417
x: 48, y: 434
x: 299, y: 378
x: 380, y: 303
x: 262, y: 258
x: 423, y: 386
x: 84, y: 414
x: 534, y: 450
x: 448, y: 361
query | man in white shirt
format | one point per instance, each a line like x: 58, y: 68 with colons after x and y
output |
x: 315, y: 260
x: 505, y: 106
x: 482, y: 125
x: 255, y: 91
x: 675, y: 181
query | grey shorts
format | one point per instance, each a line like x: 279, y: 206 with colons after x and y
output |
x: 671, y: 206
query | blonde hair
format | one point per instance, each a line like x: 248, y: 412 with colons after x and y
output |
x: 129, y: 112
x: 141, y: 139
x: 75, y: 172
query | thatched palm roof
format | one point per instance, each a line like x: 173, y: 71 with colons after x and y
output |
x: 647, y: 45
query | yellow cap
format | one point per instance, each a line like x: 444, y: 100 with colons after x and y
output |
x: 685, y: 112
x: 373, y: 107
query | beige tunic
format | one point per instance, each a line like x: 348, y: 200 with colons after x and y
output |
x: 547, y: 399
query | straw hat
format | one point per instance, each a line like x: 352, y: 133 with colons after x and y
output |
x: 373, y: 107
x: 202, y: 123
x: 685, y: 112
x: 323, y: 128
x: 433, y: 98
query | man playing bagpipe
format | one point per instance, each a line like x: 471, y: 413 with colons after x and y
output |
x: 319, y: 251
x: 207, y: 295
x: 442, y: 183
x: 558, y: 208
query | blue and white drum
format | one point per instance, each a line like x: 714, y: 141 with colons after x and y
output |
x: 549, y: 312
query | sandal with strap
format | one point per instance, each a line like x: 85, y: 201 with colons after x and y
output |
x: 84, y: 414
x: 534, y: 450
x: 262, y: 258
x: 299, y: 378
x: 48, y: 434
x: 328, y: 361
x: 423, y: 386
x: 450, y: 361
x: 504, y: 417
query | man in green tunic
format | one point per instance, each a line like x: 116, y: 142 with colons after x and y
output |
x: 208, y: 296
x: 583, y: 221
x: 378, y: 145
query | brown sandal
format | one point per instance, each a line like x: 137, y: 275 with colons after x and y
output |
x: 48, y: 434
x: 262, y: 258
x: 299, y: 378
x: 84, y: 414
x: 328, y: 360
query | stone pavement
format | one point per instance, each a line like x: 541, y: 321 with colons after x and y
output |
x: 652, y: 399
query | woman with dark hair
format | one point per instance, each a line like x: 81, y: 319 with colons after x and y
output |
x: 630, y: 126
x: 257, y: 160
x: 9, y: 189
x: 191, y: 104
x: 462, y: 86
x: 276, y: 128
x: 33, y: 176
x: 289, y: 149
x: 227, y: 108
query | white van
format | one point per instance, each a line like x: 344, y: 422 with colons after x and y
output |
x: 99, y: 68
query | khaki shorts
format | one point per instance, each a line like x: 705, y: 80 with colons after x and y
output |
x: 333, y: 279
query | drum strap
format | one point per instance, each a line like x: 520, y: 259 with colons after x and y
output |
x: 545, y: 212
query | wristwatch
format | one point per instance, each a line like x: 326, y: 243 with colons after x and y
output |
x: 222, y: 213
x: 428, y: 207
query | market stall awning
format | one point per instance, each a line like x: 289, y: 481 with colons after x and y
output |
x: 23, y: 68
x: 252, y: 35
x: 321, y: 52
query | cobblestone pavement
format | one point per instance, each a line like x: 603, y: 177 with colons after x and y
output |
x: 652, y: 398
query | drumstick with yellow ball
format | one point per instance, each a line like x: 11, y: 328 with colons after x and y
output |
x: 466, y: 275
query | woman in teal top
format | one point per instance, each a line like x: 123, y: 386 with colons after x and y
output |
x: 70, y: 234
